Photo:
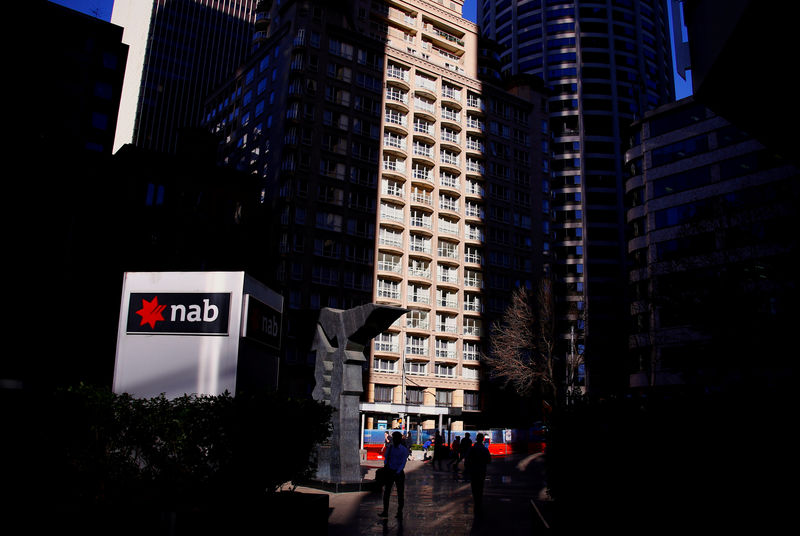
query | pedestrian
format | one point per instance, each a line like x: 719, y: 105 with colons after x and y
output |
x: 454, y: 453
x: 395, y: 463
x: 425, y: 447
x: 438, y: 450
x: 478, y: 458
x: 386, y: 442
x: 463, y: 448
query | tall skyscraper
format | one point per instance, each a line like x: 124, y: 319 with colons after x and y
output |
x: 392, y: 174
x: 180, y: 51
x: 606, y: 62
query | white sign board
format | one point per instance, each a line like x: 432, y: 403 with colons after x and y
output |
x: 179, y: 332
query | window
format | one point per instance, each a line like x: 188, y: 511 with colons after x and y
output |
x: 471, y: 400
x: 445, y: 349
x: 416, y: 345
x: 444, y: 397
x: 419, y: 369
x: 329, y: 221
x: 388, y: 289
x: 414, y: 395
x: 417, y: 319
x: 383, y: 393
x: 384, y: 365
x: 387, y: 342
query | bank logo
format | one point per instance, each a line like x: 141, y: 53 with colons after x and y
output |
x: 151, y: 312
x: 172, y: 313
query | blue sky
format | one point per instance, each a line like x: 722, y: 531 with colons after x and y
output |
x: 102, y: 9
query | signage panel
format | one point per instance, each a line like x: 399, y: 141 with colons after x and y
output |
x: 263, y: 323
x: 178, y: 313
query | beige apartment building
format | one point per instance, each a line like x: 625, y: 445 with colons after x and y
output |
x: 398, y: 169
x: 441, y: 123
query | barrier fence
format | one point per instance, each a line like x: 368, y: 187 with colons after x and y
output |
x: 500, y: 441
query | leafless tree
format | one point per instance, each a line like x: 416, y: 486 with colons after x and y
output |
x: 522, y: 343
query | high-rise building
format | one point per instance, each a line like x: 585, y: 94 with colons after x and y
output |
x: 76, y: 79
x: 180, y: 51
x: 392, y: 174
x: 606, y: 62
x: 713, y: 224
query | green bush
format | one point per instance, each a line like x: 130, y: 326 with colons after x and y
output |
x: 111, y: 448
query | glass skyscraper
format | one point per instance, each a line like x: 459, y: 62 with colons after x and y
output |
x: 606, y: 62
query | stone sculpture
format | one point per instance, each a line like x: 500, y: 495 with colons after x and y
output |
x: 339, y: 342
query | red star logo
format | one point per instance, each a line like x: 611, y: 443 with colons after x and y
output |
x: 151, y: 312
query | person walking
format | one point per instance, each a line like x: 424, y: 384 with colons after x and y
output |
x: 463, y: 449
x: 438, y: 450
x: 475, y: 464
x: 454, y: 453
x: 395, y: 463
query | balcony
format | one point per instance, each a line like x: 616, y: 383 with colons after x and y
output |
x: 422, y: 173
x: 421, y: 222
x: 448, y: 252
x: 422, y: 198
x: 475, y: 124
x: 474, y: 166
x: 473, y: 282
x: 396, y: 166
x: 393, y: 267
x: 449, y: 158
x: 396, y: 73
x: 424, y: 273
x: 473, y: 306
x: 448, y: 114
x: 394, y: 118
x: 472, y: 330
x: 395, y: 95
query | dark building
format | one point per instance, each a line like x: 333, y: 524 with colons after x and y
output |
x: 77, y: 67
x: 712, y: 224
x: 67, y: 112
x: 180, y: 50
x: 605, y: 63
x: 739, y: 51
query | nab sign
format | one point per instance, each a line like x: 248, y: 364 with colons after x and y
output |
x: 184, y: 333
x: 176, y: 313
x: 262, y: 323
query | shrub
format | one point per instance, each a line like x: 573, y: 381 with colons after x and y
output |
x: 192, y: 449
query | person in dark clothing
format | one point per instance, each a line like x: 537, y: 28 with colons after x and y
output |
x: 478, y: 458
x: 395, y: 463
x: 438, y: 450
x: 454, y: 453
x: 463, y: 448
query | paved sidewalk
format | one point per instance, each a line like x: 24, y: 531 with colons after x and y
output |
x: 440, y: 502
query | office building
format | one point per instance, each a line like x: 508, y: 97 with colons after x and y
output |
x: 180, y: 51
x: 713, y: 230
x: 392, y: 174
x: 606, y: 62
x: 76, y: 80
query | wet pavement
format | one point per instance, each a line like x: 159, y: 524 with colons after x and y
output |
x: 440, y: 502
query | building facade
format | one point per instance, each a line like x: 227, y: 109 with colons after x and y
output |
x: 605, y: 62
x: 180, y: 51
x: 393, y: 175
x: 712, y: 224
